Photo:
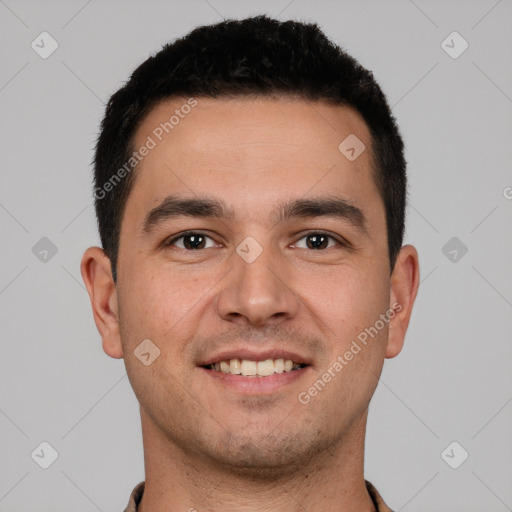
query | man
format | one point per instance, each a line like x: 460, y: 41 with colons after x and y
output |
x: 250, y: 192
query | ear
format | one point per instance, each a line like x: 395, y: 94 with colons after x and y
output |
x: 97, y: 275
x: 404, y: 287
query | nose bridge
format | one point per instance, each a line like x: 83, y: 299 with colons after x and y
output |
x: 256, y: 289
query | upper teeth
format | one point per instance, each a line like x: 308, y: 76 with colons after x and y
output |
x: 261, y: 368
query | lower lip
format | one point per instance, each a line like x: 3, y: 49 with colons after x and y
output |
x: 256, y: 385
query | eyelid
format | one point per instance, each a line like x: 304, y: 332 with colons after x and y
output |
x: 171, y: 240
x: 337, y: 238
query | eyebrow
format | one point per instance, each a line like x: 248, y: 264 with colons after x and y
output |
x: 205, y: 207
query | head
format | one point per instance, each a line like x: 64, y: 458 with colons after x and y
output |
x: 255, y: 57
x: 235, y: 132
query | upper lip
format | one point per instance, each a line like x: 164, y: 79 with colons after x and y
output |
x: 245, y: 353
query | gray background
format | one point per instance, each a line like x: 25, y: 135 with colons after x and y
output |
x: 453, y: 380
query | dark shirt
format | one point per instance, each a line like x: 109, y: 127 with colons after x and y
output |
x: 137, y: 492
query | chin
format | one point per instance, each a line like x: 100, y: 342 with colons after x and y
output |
x: 269, y: 456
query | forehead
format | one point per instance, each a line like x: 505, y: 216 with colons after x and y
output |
x: 314, y: 127
x: 250, y: 151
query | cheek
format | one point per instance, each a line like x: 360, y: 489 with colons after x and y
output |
x: 158, y: 308
x: 161, y: 305
x: 347, y: 299
x: 145, y: 304
x: 349, y: 310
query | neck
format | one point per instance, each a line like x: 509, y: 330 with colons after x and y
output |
x: 178, y: 480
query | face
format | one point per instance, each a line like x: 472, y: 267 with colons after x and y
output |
x: 285, y: 258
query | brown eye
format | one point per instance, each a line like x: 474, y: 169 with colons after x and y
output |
x: 190, y: 241
x: 319, y: 241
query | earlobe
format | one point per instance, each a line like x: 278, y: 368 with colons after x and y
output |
x: 97, y: 275
x: 403, y: 291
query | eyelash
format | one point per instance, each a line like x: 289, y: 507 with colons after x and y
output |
x: 186, y: 233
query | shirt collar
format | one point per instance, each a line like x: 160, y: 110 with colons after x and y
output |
x: 137, y: 492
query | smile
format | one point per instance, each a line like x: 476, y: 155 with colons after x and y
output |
x: 249, y: 368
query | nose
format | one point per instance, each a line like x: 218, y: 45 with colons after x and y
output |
x: 256, y: 292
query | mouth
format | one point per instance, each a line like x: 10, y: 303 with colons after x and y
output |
x: 255, y: 369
